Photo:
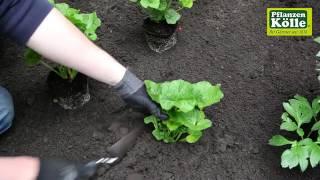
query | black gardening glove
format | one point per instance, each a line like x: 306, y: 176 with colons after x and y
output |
x: 64, y: 170
x: 133, y: 92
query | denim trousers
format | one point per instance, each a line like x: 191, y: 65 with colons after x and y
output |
x: 6, y: 110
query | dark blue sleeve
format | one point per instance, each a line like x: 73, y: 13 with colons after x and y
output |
x: 20, y: 18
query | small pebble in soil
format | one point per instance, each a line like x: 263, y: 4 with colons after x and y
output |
x: 45, y: 139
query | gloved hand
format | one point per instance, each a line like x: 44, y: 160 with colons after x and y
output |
x: 133, y: 92
x: 63, y: 170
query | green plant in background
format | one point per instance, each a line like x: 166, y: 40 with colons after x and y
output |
x: 88, y: 23
x: 304, y: 149
x: 317, y: 39
x: 168, y: 10
x: 184, y: 103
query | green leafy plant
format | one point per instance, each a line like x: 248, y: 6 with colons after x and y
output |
x: 304, y: 149
x: 168, y: 10
x: 317, y: 39
x: 88, y: 23
x: 184, y: 103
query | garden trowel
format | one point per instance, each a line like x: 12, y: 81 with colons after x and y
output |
x: 118, y: 150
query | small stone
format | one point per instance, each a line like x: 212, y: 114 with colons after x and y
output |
x: 55, y: 100
x: 45, y: 139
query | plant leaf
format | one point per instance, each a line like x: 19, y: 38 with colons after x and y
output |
x: 172, y: 16
x: 194, y: 120
x: 158, y: 134
x: 306, y: 142
x: 155, y: 14
x: 300, y: 132
x: 183, y: 95
x: 300, y: 109
x: 317, y: 39
x: 288, y: 126
x: 150, y: 3
x: 315, y: 155
x: 173, y: 125
x: 186, y: 3
x: 51, y: 2
x: 194, y: 136
x: 207, y: 94
x: 31, y: 57
x: 316, y: 106
x: 149, y: 119
x: 279, y: 140
x: 183, y: 102
x: 177, y: 94
x: 295, y: 156
x: 316, y: 126
x: 288, y: 159
x: 163, y: 5
x: 153, y: 89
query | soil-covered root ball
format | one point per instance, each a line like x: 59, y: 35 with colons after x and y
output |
x: 69, y: 94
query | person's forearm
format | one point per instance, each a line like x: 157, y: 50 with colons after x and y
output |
x: 60, y: 41
x: 19, y: 168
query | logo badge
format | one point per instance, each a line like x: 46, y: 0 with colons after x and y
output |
x: 289, y: 21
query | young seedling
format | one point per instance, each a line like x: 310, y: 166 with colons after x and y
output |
x: 184, y: 103
x: 86, y: 22
x: 304, y: 149
x: 161, y: 26
x: 160, y: 10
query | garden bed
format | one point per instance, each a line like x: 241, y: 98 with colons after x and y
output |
x: 222, y: 42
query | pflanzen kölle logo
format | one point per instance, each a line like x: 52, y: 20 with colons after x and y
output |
x: 289, y: 21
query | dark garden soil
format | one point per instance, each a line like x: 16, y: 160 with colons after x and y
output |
x: 223, y: 41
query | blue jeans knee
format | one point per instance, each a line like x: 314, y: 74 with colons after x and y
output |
x: 6, y: 110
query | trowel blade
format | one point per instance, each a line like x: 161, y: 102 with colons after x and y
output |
x: 121, y: 147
